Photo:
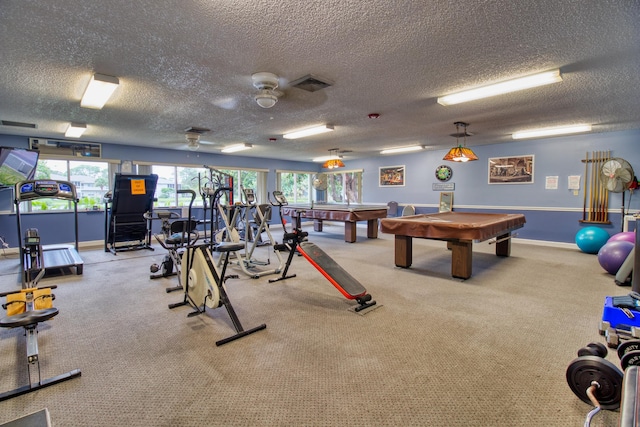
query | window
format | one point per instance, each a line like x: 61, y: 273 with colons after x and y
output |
x: 242, y: 179
x: 343, y: 187
x: 171, y: 178
x: 91, y: 179
x: 296, y: 186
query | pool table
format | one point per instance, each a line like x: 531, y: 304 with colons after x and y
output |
x: 458, y: 229
x: 349, y: 214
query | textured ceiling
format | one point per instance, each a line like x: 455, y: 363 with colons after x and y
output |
x: 185, y: 63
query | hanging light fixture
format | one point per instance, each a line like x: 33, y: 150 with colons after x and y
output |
x: 334, y: 162
x: 460, y: 153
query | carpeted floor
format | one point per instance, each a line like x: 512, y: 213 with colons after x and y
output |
x: 489, y: 351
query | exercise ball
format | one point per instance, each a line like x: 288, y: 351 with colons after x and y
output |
x: 591, y: 239
x: 628, y: 236
x: 612, y: 255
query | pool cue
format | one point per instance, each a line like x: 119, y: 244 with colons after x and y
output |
x: 600, y: 186
x: 597, y: 187
x: 606, y: 194
x: 584, y: 189
x: 591, y: 192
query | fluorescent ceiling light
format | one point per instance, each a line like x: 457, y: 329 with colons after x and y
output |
x: 528, y: 82
x: 99, y: 91
x: 308, y: 132
x: 536, y: 133
x: 75, y: 130
x: 325, y: 158
x: 402, y: 149
x: 237, y: 147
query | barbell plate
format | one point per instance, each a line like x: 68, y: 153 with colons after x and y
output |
x: 627, y: 346
x: 630, y: 358
x: 584, y: 370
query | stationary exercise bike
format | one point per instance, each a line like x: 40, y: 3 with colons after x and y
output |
x: 27, y: 308
x: 176, y: 234
x: 296, y: 242
x: 203, y: 282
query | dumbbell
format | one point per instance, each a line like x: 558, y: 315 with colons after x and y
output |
x: 592, y: 374
x: 593, y: 349
x: 629, y: 353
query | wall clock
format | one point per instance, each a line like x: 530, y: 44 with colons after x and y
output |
x: 444, y: 173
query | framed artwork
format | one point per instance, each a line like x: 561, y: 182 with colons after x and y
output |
x: 392, y: 176
x: 446, y: 202
x: 511, y: 170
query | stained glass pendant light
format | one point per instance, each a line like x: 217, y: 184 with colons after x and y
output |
x: 461, y: 153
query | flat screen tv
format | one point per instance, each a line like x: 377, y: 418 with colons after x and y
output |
x: 17, y: 164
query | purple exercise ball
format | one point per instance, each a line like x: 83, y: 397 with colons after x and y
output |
x: 612, y: 255
x: 628, y: 236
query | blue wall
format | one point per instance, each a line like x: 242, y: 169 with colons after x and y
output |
x: 552, y: 215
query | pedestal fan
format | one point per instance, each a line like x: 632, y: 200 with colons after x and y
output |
x: 617, y: 176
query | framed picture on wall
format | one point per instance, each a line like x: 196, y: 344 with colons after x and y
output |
x: 392, y: 176
x: 511, y: 170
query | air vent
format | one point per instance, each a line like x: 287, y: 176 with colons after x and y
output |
x: 310, y: 83
x: 197, y: 130
x: 18, y: 124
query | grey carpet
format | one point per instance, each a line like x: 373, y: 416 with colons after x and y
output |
x: 489, y: 351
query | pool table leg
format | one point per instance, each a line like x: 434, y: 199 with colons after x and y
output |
x: 349, y: 231
x: 317, y: 225
x: 403, y: 251
x: 372, y: 228
x: 503, y: 245
x: 461, y: 258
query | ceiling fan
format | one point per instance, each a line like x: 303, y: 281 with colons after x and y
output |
x: 266, y: 83
x: 193, y: 138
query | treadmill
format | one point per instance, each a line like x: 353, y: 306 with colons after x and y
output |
x: 33, y: 255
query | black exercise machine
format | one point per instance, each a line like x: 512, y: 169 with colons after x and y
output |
x: 177, y: 233
x: 296, y: 241
x: 125, y: 206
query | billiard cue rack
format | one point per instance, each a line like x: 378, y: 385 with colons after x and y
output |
x: 596, y: 211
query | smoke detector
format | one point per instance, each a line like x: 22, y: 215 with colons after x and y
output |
x: 266, y: 83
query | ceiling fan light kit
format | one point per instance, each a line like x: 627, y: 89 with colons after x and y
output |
x: 266, y: 99
x: 266, y: 83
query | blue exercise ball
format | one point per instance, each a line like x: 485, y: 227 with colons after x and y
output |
x: 612, y: 255
x: 591, y: 239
